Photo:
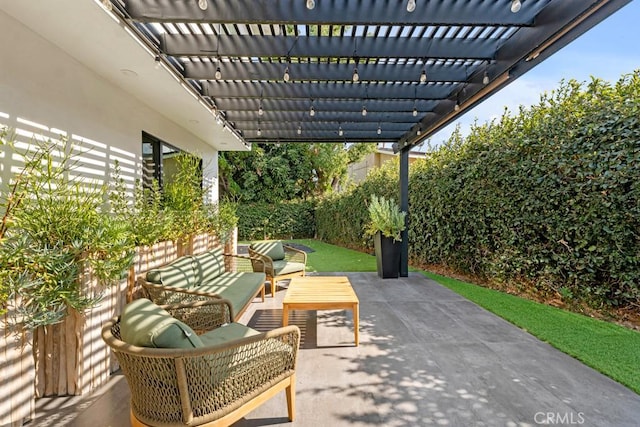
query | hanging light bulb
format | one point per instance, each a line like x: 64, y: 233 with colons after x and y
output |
x: 356, y: 76
x: 411, y: 5
x: 457, y: 106
x: 419, y: 131
x: 515, y: 6
x: 485, y: 79
x: 259, y: 132
x: 423, y: 76
x: 260, y: 110
x: 415, y: 112
x: 202, y: 4
x: 364, y: 110
x: 379, y: 131
x: 311, y: 4
x: 157, y: 62
x: 107, y: 5
x: 340, y: 131
x: 286, y: 76
x: 312, y: 111
x: 299, y: 130
x: 218, y: 74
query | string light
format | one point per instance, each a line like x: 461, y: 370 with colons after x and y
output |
x: 286, y: 76
x: 457, y: 106
x: 379, y: 131
x: 364, y: 110
x: 415, y: 112
x: 299, y: 130
x: 312, y: 111
x: 218, y: 74
x: 485, y: 79
x: 311, y: 4
x: 158, y: 62
x: 202, y: 4
x: 423, y: 76
x: 515, y: 6
x: 340, y: 131
x: 419, y: 131
x: 107, y: 5
x: 411, y: 5
x: 356, y: 76
x: 259, y: 132
x: 260, y: 110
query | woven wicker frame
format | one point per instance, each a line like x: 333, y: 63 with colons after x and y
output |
x: 210, y: 386
x: 264, y: 263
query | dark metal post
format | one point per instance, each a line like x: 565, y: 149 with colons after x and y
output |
x: 404, y: 206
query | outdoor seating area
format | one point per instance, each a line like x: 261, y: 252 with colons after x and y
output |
x: 427, y: 356
x: 165, y: 164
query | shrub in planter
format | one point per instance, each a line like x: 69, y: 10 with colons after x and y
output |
x: 386, y: 224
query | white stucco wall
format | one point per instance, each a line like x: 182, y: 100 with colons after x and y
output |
x: 46, y: 91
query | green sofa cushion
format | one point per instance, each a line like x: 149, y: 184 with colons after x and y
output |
x: 208, y: 265
x: 178, y: 273
x: 284, y: 267
x: 239, y: 288
x: 271, y: 248
x: 144, y: 324
x: 226, y: 333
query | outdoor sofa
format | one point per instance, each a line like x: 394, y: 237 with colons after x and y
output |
x: 190, y: 364
x: 211, y: 274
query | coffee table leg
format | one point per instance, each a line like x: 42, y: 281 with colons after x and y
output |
x: 285, y: 315
x: 356, y: 322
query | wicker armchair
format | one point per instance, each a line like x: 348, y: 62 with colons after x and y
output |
x: 279, y: 261
x: 214, y: 385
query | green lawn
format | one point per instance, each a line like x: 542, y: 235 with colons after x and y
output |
x: 606, y: 347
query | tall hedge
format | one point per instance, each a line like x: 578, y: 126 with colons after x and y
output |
x: 282, y: 220
x: 546, y: 198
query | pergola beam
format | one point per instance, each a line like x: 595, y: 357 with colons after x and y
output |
x: 252, y: 46
x: 335, y: 12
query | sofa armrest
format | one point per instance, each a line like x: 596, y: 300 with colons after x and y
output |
x: 202, y: 316
x: 243, y: 263
x: 266, y: 260
x: 295, y: 255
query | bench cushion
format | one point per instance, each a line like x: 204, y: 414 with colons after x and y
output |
x: 284, y: 267
x: 239, y: 288
x: 271, y: 248
x: 226, y: 333
x: 144, y: 324
x: 208, y: 265
x: 177, y: 274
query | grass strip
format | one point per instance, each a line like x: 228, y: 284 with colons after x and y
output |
x: 606, y: 347
x: 335, y: 258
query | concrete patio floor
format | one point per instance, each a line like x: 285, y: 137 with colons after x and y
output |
x: 427, y: 357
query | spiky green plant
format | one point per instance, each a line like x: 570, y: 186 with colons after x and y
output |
x: 386, y: 217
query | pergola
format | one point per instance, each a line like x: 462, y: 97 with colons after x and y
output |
x: 291, y: 71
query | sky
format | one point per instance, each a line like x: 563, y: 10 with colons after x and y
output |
x: 607, y: 51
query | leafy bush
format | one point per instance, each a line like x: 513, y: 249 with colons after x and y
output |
x: 284, y: 220
x: 342, y: 218
x: 548, y: 199
x: 385, y: 217
x: 53, y: 226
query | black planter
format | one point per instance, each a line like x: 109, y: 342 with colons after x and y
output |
x: 387, y: 256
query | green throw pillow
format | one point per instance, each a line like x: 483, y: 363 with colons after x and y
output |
x: 271, y: 248
x: 144, y: 324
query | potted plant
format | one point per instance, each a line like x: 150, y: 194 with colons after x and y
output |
x: 386, y: 223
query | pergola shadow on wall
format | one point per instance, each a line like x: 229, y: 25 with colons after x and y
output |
x: 296, y: 71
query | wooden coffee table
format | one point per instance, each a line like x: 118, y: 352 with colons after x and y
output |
x: 321, y: 293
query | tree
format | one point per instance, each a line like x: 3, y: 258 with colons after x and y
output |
x: 274, y: 172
